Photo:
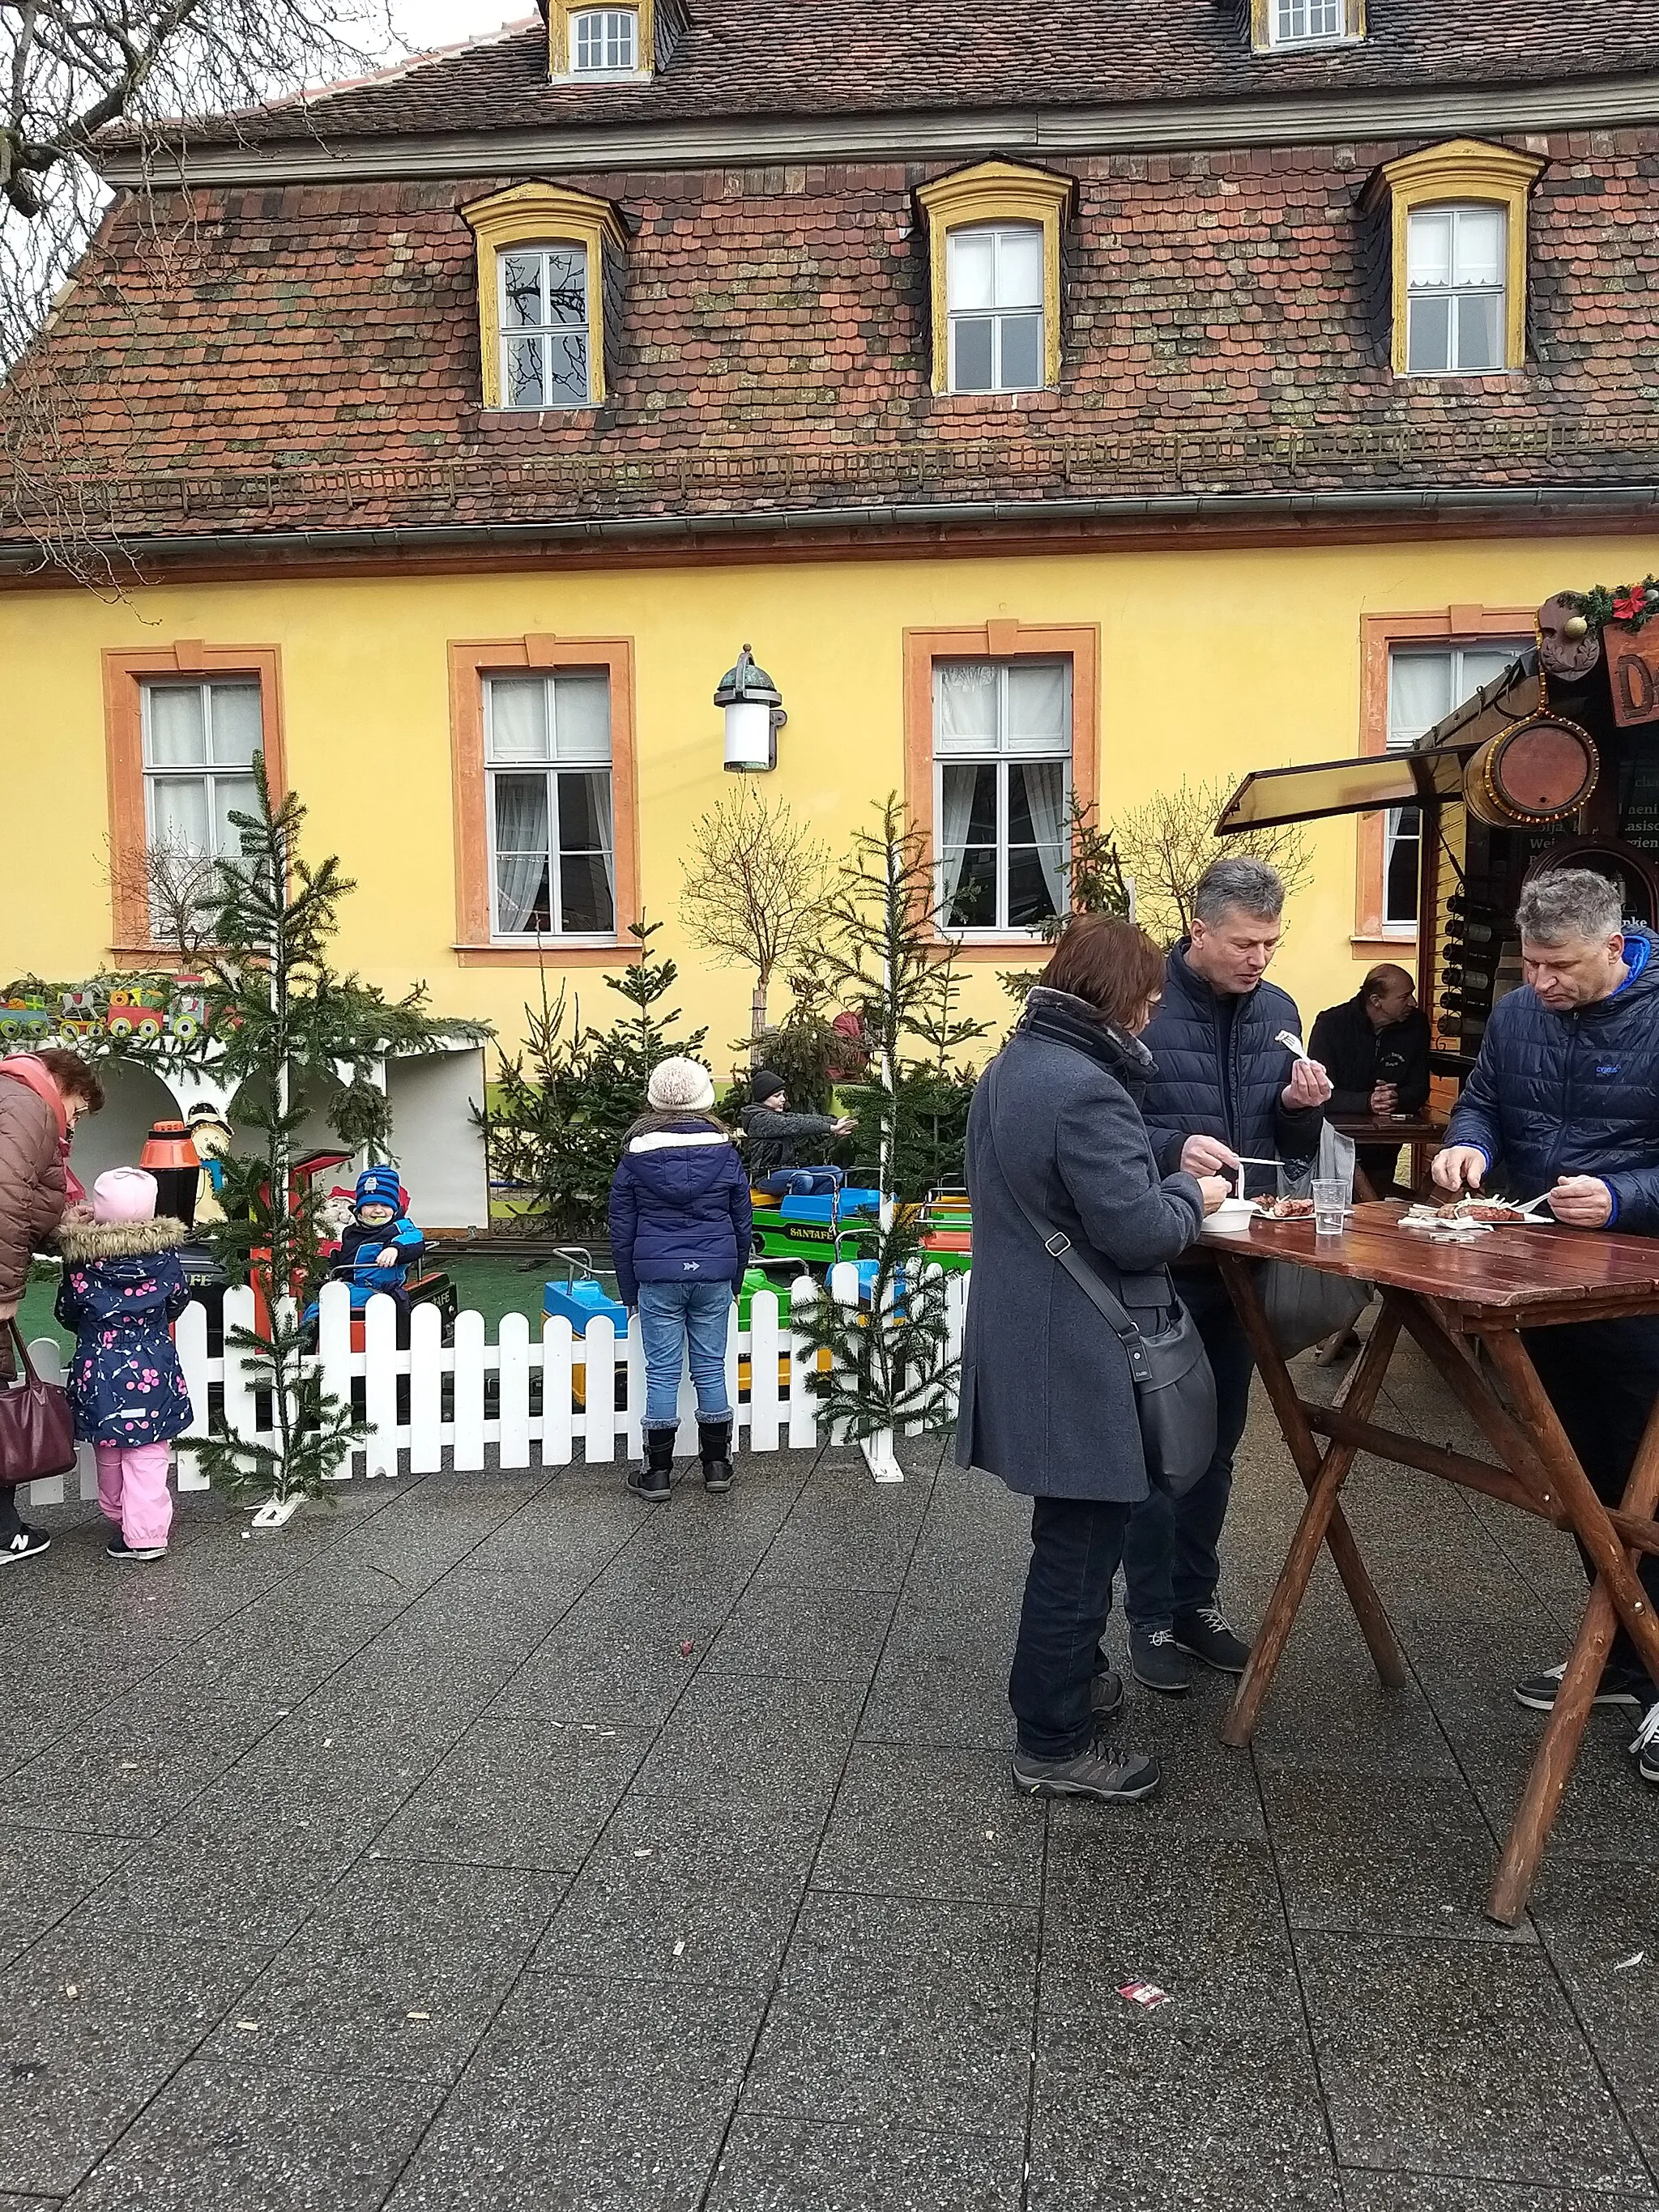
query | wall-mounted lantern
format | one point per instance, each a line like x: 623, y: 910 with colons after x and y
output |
x: 753, y: 706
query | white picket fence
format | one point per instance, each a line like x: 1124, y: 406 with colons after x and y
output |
x: 582, y: 1415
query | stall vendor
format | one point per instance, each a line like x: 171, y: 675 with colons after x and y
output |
x: 1375, y: 1048
x: 774, y: 1139
x: 1564, y: 1101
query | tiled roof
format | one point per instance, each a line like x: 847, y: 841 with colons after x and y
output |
x: 312, y: 359
x: 747, y: 57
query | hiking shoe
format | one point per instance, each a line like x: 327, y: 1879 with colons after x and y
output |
x: 1618, y: 1685
x: 1645, y: 1746
x: 119, y: 1548
x: 1101, y: 1769
x: 26, y: 1544
x: 1156, y: 1663
x: 1105, y: 1693
x: 1207, y: 1634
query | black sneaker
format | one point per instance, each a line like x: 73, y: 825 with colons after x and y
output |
x: 1620, y: 1685
x: 26, y: 1544
x: 1207, y: 1634
x: 1106, y: 1693
x: 1156, y: 1663
x: 1644, y: 1747
x: 1101, y: 1769
x: 119, y: 1548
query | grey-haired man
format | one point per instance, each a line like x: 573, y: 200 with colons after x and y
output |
x: 1564, y: 1099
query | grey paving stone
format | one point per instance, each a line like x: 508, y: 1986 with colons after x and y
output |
x: 1377, y: 1853
x: 249, y: 1890
x: 518, y: 2147
x: 834, y: 1630
x: 48, y: 1871
x: 944, y: 1674
x: 1595, y: 1919
x: 58, y: 2119
x: 663, y: 1918
x: 279, y: 2142
x: 518, y: 1793
x: 1207, y: 1791
x: 773, y: 1842
x: 130, y: 1769
x: 607, y: 1661
x: 921, y: 1822
x: 805, y: 2165
x: 10, y: 2203
x: 628, y: 2048
x: 896, y: 2010
x: 1436, y: 2192
x: 569, y: 1539
x: 1117, y: 1916
x: 1462, y: 2058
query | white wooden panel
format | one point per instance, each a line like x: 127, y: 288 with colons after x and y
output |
x: 803, y: 1406
x: 190, y: 1340
x: 381, y: 1382
x: 469, y: 1392
x: 426, y: 1366
x: 763, y: 1354
x: 240, y: 1407
x: 557, y: 1341
x: 600, y: 1418
x: 513, y: 1337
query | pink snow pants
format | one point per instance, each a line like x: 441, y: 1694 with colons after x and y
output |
x: 132, y: 1489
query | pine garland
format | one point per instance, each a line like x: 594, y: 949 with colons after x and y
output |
x: 1631, y: 605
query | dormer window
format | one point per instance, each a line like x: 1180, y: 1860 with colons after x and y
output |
x: 993, y: 254
x: 549, y: 269
x: 1280, y: 23
x: 543, y: 326
x: 604, y: 42
x: 1455, y: 255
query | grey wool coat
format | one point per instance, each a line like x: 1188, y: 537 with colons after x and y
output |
x: 1046, y: 1402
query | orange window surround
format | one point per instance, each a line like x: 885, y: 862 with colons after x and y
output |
x: 998, y: 640
x: 1379, y: 634
x: 470, y: 660
x: 124, y: 674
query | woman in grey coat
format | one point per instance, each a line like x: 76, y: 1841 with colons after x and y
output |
x: 1047, y: 1398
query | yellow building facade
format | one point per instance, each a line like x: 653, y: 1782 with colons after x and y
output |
x: 1209, y: 663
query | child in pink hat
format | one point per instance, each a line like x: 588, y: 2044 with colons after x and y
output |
x: 123, y: 1287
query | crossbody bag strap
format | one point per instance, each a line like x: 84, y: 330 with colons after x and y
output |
x: 1059, y: 1246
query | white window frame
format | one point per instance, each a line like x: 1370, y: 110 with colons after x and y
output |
x: 1455, y: 291
x: 552, y: 769
x: 1400, y: 740
x: 1282, y: 15
x: 606, y: 21
x: 208, y: 773
x: 547, y: 332
x: 1003, y: 756
x: 996, y: 315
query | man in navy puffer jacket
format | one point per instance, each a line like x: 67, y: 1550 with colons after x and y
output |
x: 1564, y: 1099
x: 1224, y: 1085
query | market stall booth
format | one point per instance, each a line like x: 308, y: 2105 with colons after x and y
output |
x: 1556, y: 760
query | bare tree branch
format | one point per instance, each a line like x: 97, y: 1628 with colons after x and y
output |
x: 1164, y: 847
x: 756, y: 885
x: 178, y: 887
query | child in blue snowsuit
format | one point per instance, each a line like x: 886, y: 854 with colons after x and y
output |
x: 380, y: 1243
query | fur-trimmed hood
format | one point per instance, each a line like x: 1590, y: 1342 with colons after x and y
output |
x: 84, y: 1241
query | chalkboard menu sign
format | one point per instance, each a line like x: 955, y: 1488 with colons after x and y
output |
x: 1638, y: 798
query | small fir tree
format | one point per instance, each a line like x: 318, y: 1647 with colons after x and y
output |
x: 280, y: 1025
x: 563, y: 1103
x: 890, y: 1365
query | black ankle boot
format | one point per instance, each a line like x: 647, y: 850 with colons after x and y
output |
x: 715, y: 1450
x: 653, y: 1479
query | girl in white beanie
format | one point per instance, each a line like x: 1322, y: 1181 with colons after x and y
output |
x: 680, y: 1233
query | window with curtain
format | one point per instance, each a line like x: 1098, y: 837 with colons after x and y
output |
x: 199, y: 740
x: 994, y: 301
x: 544, y: 325
x: 1424, y: 684
x: 604, y: 42
x: 1455, y: 289
x: 547, y: 762
x: 1297, y: 21
x: 1002, y: 791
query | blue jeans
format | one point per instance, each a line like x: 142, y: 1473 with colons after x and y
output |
x: 676, y: 1318
x: 1171, y: 1561
x: 800, y: 1183
x: 1075, y: 1543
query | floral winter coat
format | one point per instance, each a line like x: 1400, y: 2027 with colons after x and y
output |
x: 122, y: 1286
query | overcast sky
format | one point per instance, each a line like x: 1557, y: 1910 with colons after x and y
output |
x: 426, y: 24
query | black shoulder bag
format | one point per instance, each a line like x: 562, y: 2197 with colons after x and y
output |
x: 1175, y: 1389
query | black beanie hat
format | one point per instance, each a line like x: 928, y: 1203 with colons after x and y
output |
x: 764, y: 1082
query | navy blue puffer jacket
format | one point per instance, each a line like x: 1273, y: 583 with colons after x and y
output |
x: 1574, y: 1094
x: 123, y: 1286
x: 1204, y: 1087
x: 679, y: 1206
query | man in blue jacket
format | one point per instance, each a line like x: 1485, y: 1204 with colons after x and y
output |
x: 1224, y: 1086
x: 1564, y: 1099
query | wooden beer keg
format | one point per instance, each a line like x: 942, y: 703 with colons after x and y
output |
x: 1538, y: 771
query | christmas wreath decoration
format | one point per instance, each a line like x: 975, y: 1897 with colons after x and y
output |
x: 1632, y: 604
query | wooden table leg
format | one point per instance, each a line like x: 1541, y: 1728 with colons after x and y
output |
x: 1321, y: 1522
x: 1557, y: 1750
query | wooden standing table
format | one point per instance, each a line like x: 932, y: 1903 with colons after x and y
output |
x: 1449, y: 1297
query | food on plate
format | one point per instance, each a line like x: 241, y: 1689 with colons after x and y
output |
x: 1287, y: 1209
x: 1479, y: 1209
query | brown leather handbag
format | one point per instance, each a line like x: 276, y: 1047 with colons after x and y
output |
x: 37, y: 1428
